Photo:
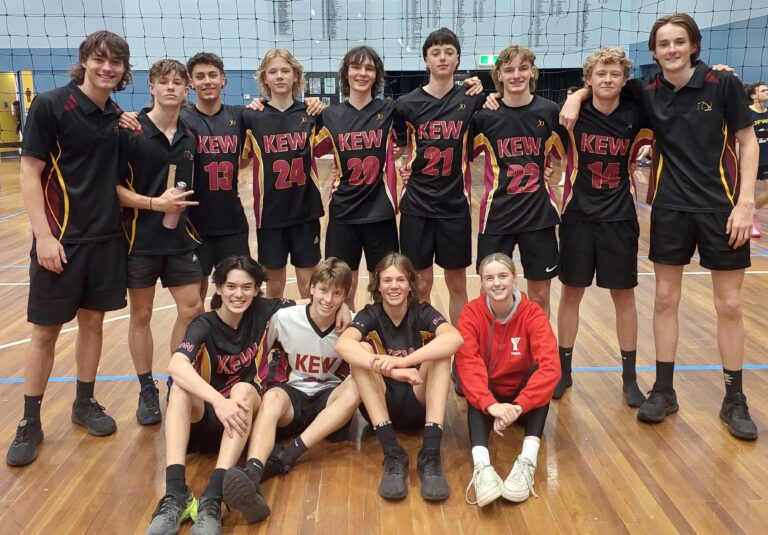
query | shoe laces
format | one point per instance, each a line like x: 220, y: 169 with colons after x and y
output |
x: 24, y: 431
x: 394, y: 460
x: 94, y: 408
x: 480, y: 476
x: 432, y: 465
x: 740, y: 409
x: 169, y: 504
x: 522, y: 471
x: 208, y: 507
x: 149, y: 395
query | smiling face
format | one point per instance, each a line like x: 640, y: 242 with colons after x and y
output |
x: 103, y: 71
x: 674, y: 49
x: 394, y: 287
x: 361, y: 76
x: 498, y: 282
x: 326, y: 300
x: 237, y: 292
x: 208, y: 82
x: 606, y: 80
x: 516, y: 75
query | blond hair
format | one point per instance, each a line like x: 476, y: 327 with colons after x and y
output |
x: 501, y: 258
x: 608, y: 55
x: 298, y: 71
x: 507, y: 55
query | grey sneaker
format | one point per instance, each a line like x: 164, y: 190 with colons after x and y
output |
x: 519, y: 483
x: 488, y: 485
x: 208, y: 517
x: 172, y: 510
x: 242, y: 493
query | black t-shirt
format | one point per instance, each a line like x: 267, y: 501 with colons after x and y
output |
x: 220, y: 139
x: 285, y: 184
x: 760, y: 121
x: 517, y: 142
x: 224, y: 356
x: 78, y: 143
x: 145, y: 159
x: 598, y: 184
x: 435, y: 131
x: 362, y: 143
x: 695, y: 168
x: 417, y: 328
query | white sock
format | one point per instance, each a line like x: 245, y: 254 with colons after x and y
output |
x: 480, y: 453
x: 531, y: 448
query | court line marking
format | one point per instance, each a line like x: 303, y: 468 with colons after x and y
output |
x: 13, y: 215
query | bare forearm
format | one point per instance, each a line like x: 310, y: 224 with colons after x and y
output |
x: 185, y: 376
x: 131, y: 199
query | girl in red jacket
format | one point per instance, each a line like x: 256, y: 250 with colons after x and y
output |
x: 508, y: 368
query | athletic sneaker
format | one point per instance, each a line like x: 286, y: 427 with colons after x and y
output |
x: 735, y: 413
x: 429, y: 466
x: 657, y: 406
x: 278, y: 463
x: 394, y: 484
x: 241, y: 492
x: 23, y: 449
x: 519, y: 483
x: 208, y: 517
x: 91, y: 415
x: 488, y: 485
x: 172, y: 510
x: 148, y: 412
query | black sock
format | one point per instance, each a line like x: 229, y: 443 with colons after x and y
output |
x: 215, y: 484
x: 433, y: 436
x: 628, y: 364
x: 665, y: 372
x: 732, y: 380
x: 32, y: 407
x: 146, y: 379
x: 386, y: 435
x: 84, y: 391
x: 255, y: 468
x: 295, y: 449
x: 175, y: 479
x: 566, y: 358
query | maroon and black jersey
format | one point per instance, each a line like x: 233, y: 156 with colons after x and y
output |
x: 416, y: 329
x: 362, y: 143
x: 599, y: 150
x: 78, y: 141
x: 285, y: 184
x: 145, y: 159
x: 224, y: 356
x: 695, y: 168
x: 435, y: 131
x: 517, y: 142
x: 220, y: 139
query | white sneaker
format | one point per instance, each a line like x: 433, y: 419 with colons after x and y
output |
x: 519, y: 483
x: 488, y: 485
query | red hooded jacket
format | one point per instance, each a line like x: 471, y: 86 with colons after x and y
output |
x: 498, y: 355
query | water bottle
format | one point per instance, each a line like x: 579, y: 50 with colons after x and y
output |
x: 171, y: 219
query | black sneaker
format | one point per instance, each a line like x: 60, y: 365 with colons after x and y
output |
x: 429, y: 466
x: 148, y: 412
x: 91, y: 415
x: 657, y: 406
x: 241, y: 492
x: 208, y: 517
x: 172, y: 510
x: 23, y: 449
x: 278, y: 463
x: 735, y: 413
x: 394, y: 481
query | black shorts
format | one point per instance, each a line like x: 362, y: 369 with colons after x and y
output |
x: 301, y: 241
x: 538, y: 251
x: 94, y: 278
x: 214, y: 249
x: 305, y: 410
x: 173, y: 270
x: 607, y: 248
x: 405, y: 411
x: 675, y: 235
x: 448, y: 241
x: 348, y: 241
x: 205, y: 435
x: 762, y: 172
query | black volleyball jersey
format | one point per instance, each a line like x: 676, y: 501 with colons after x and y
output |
x: 220, y: 139
x: 145, y: 159
x: 285, y: 184
x: 417, y: 328
x: 760, y: 122
x: 517, y: 142
x: 599, y: 150
x: 695, y: 168
x: 435, y: 131
x: 78, y: 142
x: 224, y: 356
x: 362, y: 143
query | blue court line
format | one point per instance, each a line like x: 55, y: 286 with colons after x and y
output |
x: 15, y: 267
x: 715, y: 367
x: 12, y: 215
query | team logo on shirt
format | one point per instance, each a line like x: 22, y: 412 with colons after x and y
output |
x: 703, y: 105
x: 379, y: 116
x: 303, y: 119
x: 462, y: 106
x: 232, y: 122
x: 116, y: 130
x: 515, y: 341
x: 188, y: 155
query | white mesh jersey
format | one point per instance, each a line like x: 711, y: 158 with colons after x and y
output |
x: 309, y: 362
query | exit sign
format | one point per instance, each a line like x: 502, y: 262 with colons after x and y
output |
x: 486, y: 61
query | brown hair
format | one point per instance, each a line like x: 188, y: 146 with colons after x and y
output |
x: 608, y: 55
x: 501, y: 258
x: 683, y: 20
x: 166, y: 67
x: 751, y: 89
x: 103, y: 43
x: 332, y: 272
x: 205, y: 58
x: 356, y: 56
x: 402, y: 263
x: 507, y: 55
x: 298, y: 71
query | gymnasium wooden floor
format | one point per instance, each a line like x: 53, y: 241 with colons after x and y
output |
x: 600, y: 470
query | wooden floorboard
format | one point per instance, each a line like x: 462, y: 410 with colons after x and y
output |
x: 600, y: 470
